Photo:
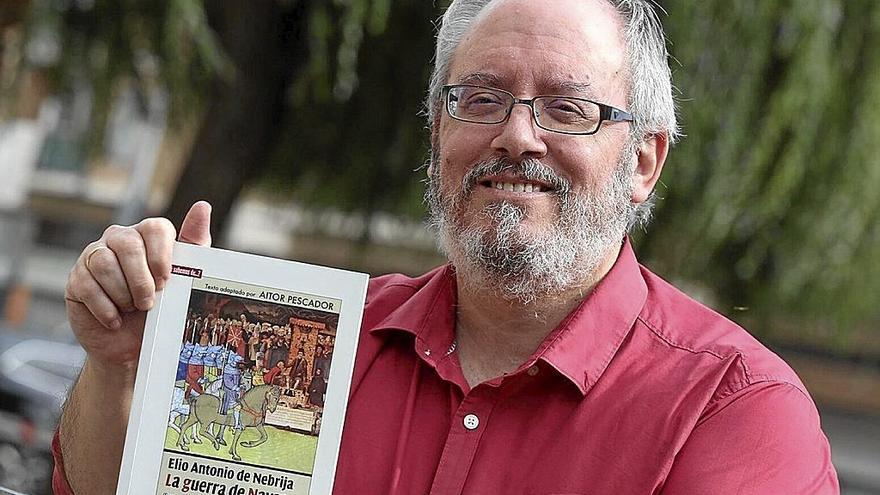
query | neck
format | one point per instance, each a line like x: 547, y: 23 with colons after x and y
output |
x: 496, y: 335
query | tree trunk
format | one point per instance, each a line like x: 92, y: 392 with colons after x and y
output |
x: 266, y: 41
x: 13, y: 12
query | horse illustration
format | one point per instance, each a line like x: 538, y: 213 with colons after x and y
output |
x: 180, y: 406
x: 205, y: 408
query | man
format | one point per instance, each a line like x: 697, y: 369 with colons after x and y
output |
x: 195, y: 370
x: 232, y: 387
x: 253, y: 342
x: 236, y: 338
x: 299, y: 368
x: 191, y: 322
x: 213, y: 363
x: 276, y: 375
x: 317, y: 388
x: 279, y: 346
x: 322, y: 361
x: 543, y: 359
x: 220, y: 332
x: 183, y: 363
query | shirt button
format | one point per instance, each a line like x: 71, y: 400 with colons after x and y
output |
x: 471, y: 421
x: 533, y: 370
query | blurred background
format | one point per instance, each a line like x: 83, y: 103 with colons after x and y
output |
x: 301, y: 121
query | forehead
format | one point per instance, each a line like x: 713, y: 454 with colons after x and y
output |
x: 548, y: 44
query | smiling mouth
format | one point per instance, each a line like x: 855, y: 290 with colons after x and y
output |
x: 524, y: 187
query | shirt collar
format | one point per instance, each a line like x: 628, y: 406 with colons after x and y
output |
x: 429, y: 315
x: 583, y: 345
x: 580, y: 348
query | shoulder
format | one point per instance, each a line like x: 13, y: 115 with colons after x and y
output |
x: 709, y: 342
x: 749, y: 424
x: 765, y: 438
x: 387, y: 292
x: 398, y: 285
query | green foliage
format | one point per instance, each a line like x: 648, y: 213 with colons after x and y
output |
x: 771, y: 197
x: 191, y: 53
x: 769, y: 201
x: 336, y: 34
x: 154, y: 44
x: 356, y: 137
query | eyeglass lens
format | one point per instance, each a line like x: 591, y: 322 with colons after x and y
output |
x: 556, y: 113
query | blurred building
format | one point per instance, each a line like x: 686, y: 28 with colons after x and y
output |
x: 59, y: 189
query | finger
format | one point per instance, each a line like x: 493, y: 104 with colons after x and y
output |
x: 131, y: 254
x: 158, y: 238
x: 196, y: 228
x: 103, y: 266
x: 83, y: 289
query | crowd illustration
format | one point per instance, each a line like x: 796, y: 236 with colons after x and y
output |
x: 227, y: 356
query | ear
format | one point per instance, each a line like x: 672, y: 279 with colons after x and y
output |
x: 651, y: 157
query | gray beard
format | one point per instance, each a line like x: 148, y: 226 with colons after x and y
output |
x: 527, y: 267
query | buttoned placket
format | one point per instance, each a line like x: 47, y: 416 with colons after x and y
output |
x: 472, y: 417
x: 469, y: 422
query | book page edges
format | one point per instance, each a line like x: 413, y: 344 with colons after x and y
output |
x: 126, y: 484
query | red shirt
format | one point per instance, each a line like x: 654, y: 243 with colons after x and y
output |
x: 640, y: 390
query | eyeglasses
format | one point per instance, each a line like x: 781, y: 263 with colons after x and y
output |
x: 564, y: 114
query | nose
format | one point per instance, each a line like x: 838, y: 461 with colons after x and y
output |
x: 519, y: 135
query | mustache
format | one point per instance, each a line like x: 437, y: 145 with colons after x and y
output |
x: 528, y: 169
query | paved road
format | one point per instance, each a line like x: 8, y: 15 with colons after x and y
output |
x: 855, y: 449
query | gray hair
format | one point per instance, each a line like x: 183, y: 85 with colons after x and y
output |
x: 650, y: 99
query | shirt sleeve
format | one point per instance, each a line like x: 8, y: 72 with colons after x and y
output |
x: 764, y: 439
x: 59, y: 479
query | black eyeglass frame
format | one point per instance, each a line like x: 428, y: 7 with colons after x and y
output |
x: 607, y: 113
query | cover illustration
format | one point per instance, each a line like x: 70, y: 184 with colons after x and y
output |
x: 257, y: 376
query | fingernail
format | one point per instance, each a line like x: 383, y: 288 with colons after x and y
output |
x: 146, y: 303
x: 116, y: 324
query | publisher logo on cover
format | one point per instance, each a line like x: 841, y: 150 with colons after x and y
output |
x: 186, y: 271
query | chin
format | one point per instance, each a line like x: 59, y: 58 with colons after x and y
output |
x: 531, y: 219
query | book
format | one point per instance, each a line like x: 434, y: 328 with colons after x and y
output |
x: 243, y: 377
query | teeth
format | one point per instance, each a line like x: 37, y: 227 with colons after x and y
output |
x: 518, y: 187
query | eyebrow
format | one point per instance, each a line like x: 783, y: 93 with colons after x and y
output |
x: 583, y: 89
x: 482, y: 78
x: 573, y: 86
x: 556, y: 84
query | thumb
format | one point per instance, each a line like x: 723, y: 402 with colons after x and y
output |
x: 196, y: 228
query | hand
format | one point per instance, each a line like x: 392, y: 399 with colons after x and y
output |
x: 114, y: 283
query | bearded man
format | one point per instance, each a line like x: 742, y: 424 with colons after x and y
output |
x: 543, y: 359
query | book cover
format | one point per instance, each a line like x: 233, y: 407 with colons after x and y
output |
x: 243, y: 377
